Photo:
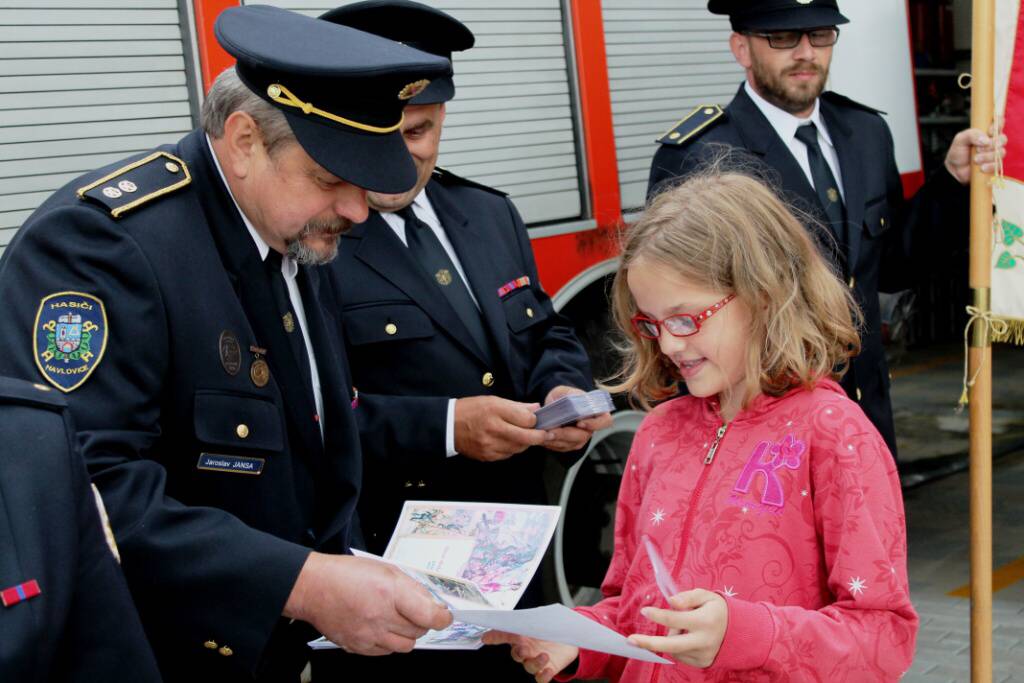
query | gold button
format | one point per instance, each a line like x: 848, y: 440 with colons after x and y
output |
x: 391, y: 328
x: 242, y: 431
x: 674, y: 135
x: 210, y: 645
x: 421, y: 484
x: 852, y: 282
x: 172, y: 167
x: 226, y: 651
x: 488, y: 379
x: 883, y: 222
x: 408, y: 484
x: 858, y: 393
x: 709, y: 111
x: 529, y: 312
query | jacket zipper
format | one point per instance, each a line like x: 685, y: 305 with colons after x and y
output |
x: 698, y: 490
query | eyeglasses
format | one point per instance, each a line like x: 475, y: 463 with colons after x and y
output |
x: 787, y: 40
x: 682, y: 325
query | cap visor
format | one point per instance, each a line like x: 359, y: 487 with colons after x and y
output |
x: 439, y: 90
x: 372, y: 161
x: 804, y: 18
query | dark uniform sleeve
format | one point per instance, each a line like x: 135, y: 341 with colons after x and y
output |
x: 557, y: 356
x: 104, y: 639
x: 935, y: 219
x: 199, y: 572
x: 392, y: 427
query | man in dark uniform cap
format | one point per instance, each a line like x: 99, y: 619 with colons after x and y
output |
x: 172, y: 299
x: 832, y: 157
x: 452, y: 342
x: 65, y: 610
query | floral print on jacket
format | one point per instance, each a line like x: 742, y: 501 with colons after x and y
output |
x: 797, y: 521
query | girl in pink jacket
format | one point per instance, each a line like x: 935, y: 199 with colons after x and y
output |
x: 774, y: 501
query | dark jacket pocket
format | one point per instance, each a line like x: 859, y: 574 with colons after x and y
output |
x: 522, y: 310
x: 370, y: 324
x: 238, y: 422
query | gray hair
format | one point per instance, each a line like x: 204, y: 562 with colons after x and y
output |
x: 229, y: 94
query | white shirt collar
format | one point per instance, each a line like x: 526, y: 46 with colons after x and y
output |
x: 784, y: 123
x: 288, y: 265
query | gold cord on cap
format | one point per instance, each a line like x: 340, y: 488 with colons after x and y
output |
x: 283, y: 95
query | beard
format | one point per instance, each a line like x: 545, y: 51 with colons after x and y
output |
x: 330, y: 231
x: 789, y: 96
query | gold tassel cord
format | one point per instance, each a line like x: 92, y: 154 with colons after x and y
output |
x: 996, y: 328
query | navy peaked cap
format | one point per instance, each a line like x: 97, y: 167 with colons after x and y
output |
x: 777, y: 15
x: 341, y: 90
x: 413, y: 24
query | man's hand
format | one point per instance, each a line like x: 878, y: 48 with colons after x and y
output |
x: 973, y: 145
x: 696, y: 627
x: 365, y: 606
x: 489, y: 428
x: 540, y: 658
x: 571, y: 438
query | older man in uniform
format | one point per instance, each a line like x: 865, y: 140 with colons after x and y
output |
x: 65, y: 610
x: 832, y: 157
x: 453, y: 343
x: 172, y: 299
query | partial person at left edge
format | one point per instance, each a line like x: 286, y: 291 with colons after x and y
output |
x: 172, y: 298
x: 65, y: 611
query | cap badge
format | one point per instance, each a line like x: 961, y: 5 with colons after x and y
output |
x: 282, y: 95
x: 413, y: 89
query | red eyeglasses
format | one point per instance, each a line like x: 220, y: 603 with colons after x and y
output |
x: 682, y: 325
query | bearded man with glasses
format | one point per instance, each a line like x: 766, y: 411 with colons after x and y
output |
x: 831, y: 158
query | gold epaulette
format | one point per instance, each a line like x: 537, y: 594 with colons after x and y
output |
x: 139, y: 182
x: 695, y: 122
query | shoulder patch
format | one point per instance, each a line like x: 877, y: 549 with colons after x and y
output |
x: 446, y: 177
x: 20, y: 391
x: 697, y: 121
x: 844, y: 101
x: 139, y: 182
x: 70, y: 336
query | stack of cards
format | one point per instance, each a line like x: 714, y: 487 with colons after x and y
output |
x: 569, y: 409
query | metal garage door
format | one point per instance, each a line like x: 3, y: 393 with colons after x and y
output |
x: 665, y: 57
x: 511, y: 123
x: 83, y: 87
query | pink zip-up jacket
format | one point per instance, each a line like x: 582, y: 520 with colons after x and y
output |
x: 793, y: 513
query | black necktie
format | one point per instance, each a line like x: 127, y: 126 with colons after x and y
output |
x: 825, y: 184
x: 289, y: 320
x: 429, y: 252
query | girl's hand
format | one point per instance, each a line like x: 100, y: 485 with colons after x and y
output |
x: 696, y: 627
x: 543, y: 659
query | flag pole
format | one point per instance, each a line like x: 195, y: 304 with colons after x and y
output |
x: 980, y: 353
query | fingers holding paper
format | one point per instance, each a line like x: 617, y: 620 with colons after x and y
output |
x: 573, y: 437
x: 696, y: 626
x: 490, y: 428
x: 540, y: 658
x: 366, y: 607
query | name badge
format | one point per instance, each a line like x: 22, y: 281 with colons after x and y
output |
x: 235, y: 464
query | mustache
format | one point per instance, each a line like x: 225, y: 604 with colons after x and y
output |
x: 806, y: 66
x: 329, y: 227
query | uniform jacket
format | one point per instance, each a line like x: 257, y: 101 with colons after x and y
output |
x: 82, y: 626
x: 405, y: 376
x: 797, y: 521
x: 210, y: 555
x: 888, y: 238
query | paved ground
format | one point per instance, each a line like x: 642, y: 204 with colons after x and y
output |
x: 932, y: 437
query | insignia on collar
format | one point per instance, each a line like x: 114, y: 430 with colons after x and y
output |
x: 70, y: 338
x: 139, y: 182
x: 693, y: 123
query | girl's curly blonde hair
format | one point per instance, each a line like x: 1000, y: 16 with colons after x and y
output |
x: 727, y: 231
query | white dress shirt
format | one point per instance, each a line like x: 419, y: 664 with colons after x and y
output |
x: 290, y: 269
x: 425, y: 212
x: 785, y: 124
